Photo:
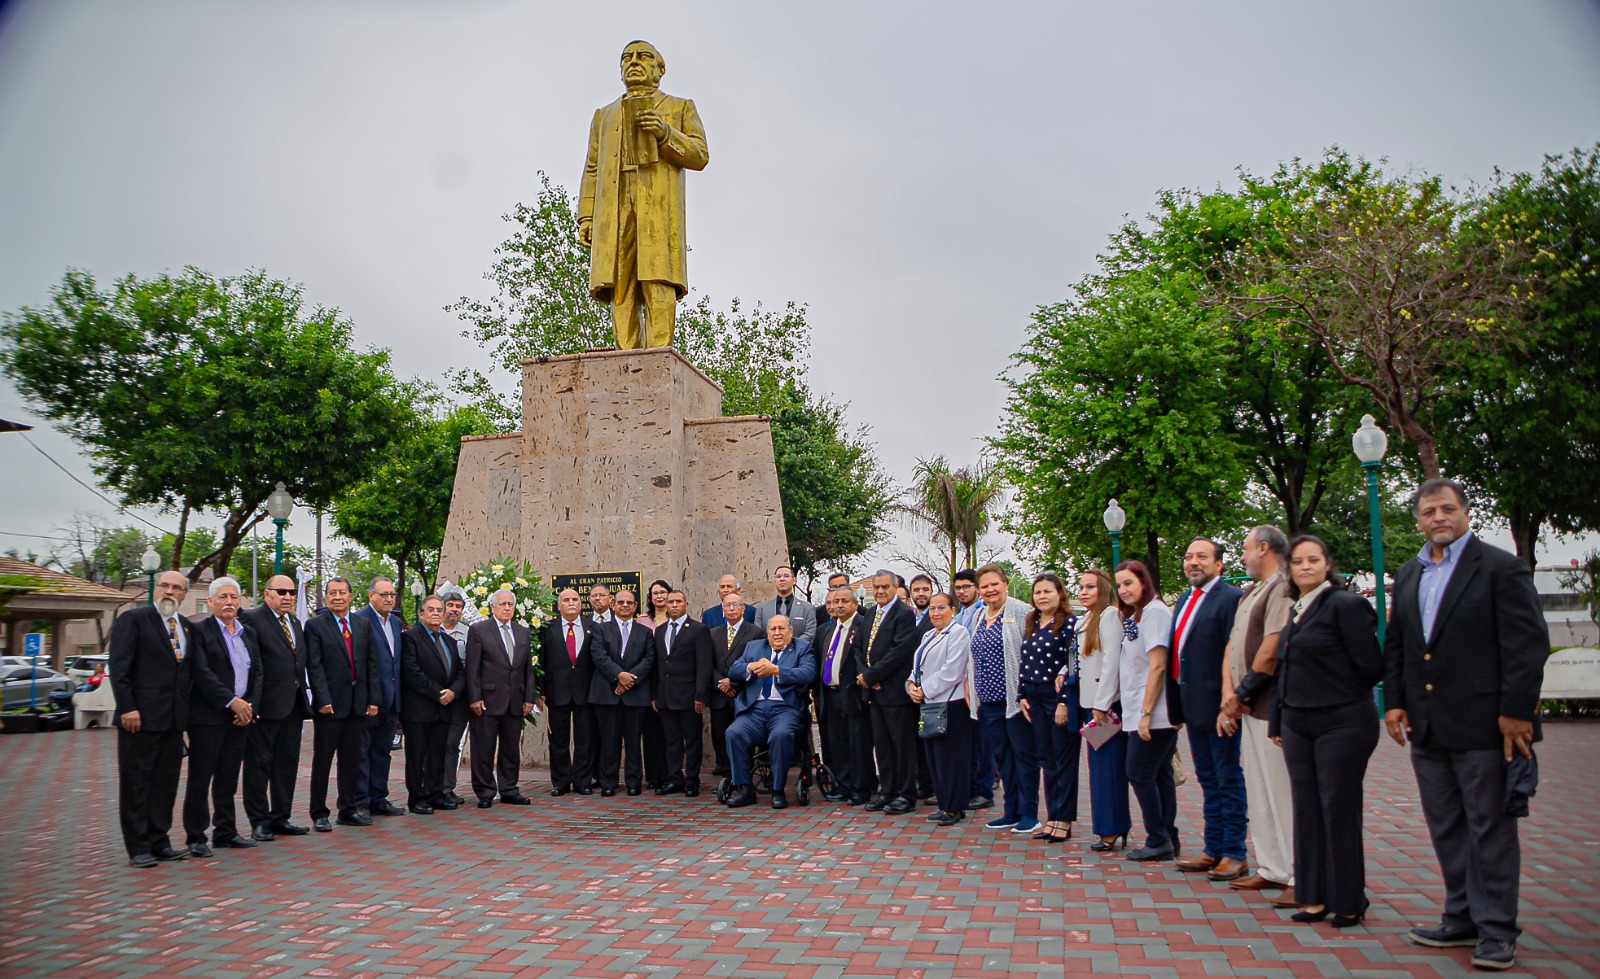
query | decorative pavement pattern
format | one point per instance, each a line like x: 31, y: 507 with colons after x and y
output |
x: 647, y: 886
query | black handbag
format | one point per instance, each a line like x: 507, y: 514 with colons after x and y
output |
x: 934, y: 721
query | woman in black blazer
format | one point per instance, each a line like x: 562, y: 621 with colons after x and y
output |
x: 1325, y: 720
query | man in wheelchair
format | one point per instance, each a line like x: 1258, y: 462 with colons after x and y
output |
x: 777, y: 672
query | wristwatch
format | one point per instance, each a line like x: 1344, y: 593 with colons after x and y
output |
x: 1144, y: 713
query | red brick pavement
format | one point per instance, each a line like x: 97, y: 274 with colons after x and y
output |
x: 585, y: 886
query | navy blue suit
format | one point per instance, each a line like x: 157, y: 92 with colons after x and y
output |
x: 381, y: 727
x: 1197, y: 704
x: 776, y: 722
x: 713, y: 617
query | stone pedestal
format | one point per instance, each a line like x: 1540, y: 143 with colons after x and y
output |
x: 624, y: 463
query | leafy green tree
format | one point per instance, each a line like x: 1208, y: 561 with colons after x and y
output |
x: 1522, y: 422
x: 834, y: 491
x: 359, y: 566
x: 196, y: 393
x: 1115, y: 395
x: 401, y: 510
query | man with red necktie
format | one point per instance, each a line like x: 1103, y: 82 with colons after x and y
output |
x: 566, y: 663
x: 1201, y: 624
x: 342, y: 665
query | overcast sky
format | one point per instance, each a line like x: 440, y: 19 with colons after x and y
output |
x: 921, y: 175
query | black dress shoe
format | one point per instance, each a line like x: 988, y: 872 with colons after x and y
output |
x: 691, y: 790
x: 744, y: 795
x: 634, y: 790
x: 387, y: 808
x: 445, y: 804
x: 607, y: 793
x: 237, y: 843
x: 980, y: 802
x: 858, y: 800
x: 833, y: 797
x: 900, y: 806
x: 1148, y: 853
x: 485, y: 803
x: 199, y: 850
x: 421, y: 809
x: 321, y: 825
x: 583, y: 791
x: 559, y: 791
x: 780, y: 800
x: 669, y: 788
x: 168, y: 854
x: 287, y: 828
x: 142, y: 861
x: 262, y: 834
x: 948, y: 818
x: 516, y: 800
x: 357, y: 818
x: 456, y: 799
x: 878, y: 804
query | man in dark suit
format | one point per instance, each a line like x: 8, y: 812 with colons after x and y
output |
x: 272, y: 743
x: 886, y: 660
x: 921, y: 591
x: 777, y: 674
x: 151, y: 675
x: 455, y: 604
x: 387, y: 630
x: 341, y: 663
x: 1201, y: 624
x: 837, y: 579
x: 846, y: 725
x: 566, y: 661
x: 727, y: 645
x: 624, y: 654
x: 501, y: 692
x: 682, y: 681
x: 227, y: 686
x: 726, y: 585
x: 432, y: 679
x: 1464, y: 660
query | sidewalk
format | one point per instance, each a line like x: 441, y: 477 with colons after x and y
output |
x: 585, y: 886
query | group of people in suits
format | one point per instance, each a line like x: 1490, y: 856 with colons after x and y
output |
x: 923, y: 693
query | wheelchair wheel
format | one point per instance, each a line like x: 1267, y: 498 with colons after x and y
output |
x: 724, y: 789
x: 802, y: 794
x: 826, y: 784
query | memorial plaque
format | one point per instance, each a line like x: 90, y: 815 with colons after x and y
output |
x: 614, y: 580
x: 1572, y: 674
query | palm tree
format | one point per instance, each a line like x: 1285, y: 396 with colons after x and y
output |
x: 959, y: 504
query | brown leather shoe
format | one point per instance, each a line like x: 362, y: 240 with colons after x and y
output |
x: 1228, y: 869
x: 1255, y: 882
x: 1197, y: 865
x: 1286, y: 899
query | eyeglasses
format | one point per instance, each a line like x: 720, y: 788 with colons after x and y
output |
x: 281, y: 591
x: 383, y: 594
x: 625, y: 601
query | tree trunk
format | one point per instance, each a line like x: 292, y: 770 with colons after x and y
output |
x: 177, y: 541
x: 1525, y: 532
x: 1427, y: 452
x: 1152, y: 558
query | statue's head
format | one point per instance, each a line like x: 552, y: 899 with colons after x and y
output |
x: 642, y: 65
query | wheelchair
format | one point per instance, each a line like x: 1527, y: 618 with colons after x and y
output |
x: 812, y: 772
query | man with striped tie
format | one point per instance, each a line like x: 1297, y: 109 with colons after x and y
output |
x: 500, y: 691
x: 342, y: 664
x: 151, y: 679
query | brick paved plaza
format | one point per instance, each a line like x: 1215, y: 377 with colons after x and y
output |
x: 585, y: 886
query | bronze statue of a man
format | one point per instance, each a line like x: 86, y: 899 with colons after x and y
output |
x: 630, y: 204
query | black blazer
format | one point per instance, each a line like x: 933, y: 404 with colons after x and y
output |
x: 890, y: 658
x: 145, y: 675
x: 610, y: 660
x: 283, y: 670
x: 503, y: 687
x: 423, y: 674
x: 1329, y: 658
x: 329, y: 665
x: 1485, y: 659
x: 563, y: 683
x: 1200, y: 671
x: 850, y: 647
x: 214, y: 677
x: 723, y: 657
x: 684, y: 678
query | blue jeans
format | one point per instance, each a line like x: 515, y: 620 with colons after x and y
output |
x: 1216, y: 767
x: 989, y: 733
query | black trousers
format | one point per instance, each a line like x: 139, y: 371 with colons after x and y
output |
x: 684, y: 746
x: 721, y: 717
x: 148, y: 765
x: 215, y: 753
x: 950, y: 757
x: 460, y: 723
x: 846, y: 731
x: 1326, y: 752
x: 1150, y: 775
x: 572, y: 746
x: 496, y: 754
x: 271, y: 762
x: 617, y: 731
x: 654, y: 739
x: 345, y: 737
x: 894, y: 740
x: 425, y: 760
x: 1480, y: 858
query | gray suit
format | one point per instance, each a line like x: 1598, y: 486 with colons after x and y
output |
x: 503, y: 685
x: 802, y: 617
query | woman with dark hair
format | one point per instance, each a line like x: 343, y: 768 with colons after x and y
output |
x: 1146, y: 629
x: 1050, y: 649
x: 655, y: 599
x: 1325, y: 720
x: 939, y: 676
x: 1099, y: 657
